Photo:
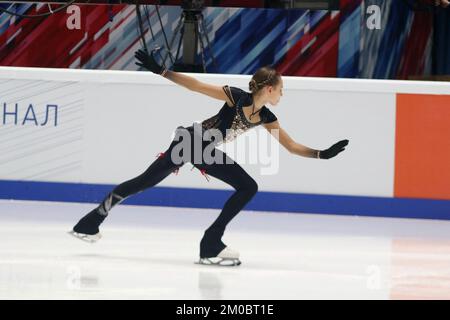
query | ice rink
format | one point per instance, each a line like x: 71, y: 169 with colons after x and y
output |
x: 149, y: 253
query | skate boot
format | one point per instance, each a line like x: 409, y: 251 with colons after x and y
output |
x: 214, y: 252
x: 87, y: 228
x: 227, y: 257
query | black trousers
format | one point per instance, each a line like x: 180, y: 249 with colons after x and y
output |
x: 226, y: 170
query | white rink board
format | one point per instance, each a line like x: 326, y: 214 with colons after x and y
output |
x: 128, y: 117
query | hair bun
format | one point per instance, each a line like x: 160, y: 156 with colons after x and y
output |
x: 264, y: 76
x: 253, y: 86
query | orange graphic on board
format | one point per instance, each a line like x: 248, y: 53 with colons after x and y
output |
x: 422, y: 146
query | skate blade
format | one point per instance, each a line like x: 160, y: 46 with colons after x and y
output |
x: 223, y: 262
x: 86, y: 237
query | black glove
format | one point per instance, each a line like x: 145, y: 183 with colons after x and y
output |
x: 333, y: 150
x: 148, y: 61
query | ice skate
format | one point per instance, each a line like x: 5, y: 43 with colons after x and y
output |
x: 86, y: 237
x: 87, y: 228
x: 227, y: 257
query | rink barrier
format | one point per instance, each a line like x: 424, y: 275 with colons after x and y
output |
x: 214, y: 199
x: 75, y: 127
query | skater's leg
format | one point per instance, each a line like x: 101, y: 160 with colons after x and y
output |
x: 157, y: 171
x: 245, y: 188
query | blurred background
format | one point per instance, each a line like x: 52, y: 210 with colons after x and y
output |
x: 372, y: 39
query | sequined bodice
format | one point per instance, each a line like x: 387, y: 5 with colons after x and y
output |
x: 237, y: 126
x: 231, y: 121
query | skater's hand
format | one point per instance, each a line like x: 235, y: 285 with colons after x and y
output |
x: 148, y: 61
x: 334, y: 150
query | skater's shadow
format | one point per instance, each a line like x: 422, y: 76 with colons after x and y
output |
x: 209, y: 285
x: 209, y: 282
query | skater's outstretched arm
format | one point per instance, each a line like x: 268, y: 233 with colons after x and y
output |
x: 148, y: 61
x: 296, y: 148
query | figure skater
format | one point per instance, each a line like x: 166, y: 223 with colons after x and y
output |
x: 241, y: 111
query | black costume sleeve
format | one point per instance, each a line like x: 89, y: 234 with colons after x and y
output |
x: 267, y: 116
x: 234, y: 94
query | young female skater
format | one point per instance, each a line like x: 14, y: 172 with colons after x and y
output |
x: 240, y: 112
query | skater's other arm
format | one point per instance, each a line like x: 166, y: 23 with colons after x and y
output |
x: 294, y: 147
x: 193, y: 84
x: 287, y: 142
x: 148, y: 61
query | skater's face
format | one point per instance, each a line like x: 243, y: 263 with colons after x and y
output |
x: 274, y: 93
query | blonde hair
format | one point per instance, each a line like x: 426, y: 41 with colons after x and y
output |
x: 265, y: 76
